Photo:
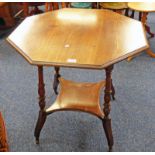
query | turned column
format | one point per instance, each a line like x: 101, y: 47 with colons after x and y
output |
x: 42, y: 113
x: 106, y: 109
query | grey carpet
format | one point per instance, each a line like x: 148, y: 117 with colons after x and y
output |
x: 133, y: 112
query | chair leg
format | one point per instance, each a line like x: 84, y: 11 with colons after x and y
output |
x: 127, y: 12
x: 149, y: 31
x: 108, y: 132
x: 132, y: 14
x: 140, y: 16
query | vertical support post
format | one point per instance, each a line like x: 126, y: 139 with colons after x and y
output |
x: 106, y: 109
x: 56, y: 79
x: 42, y: 113
x: 144, y: 19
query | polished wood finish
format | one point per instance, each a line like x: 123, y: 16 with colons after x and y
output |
x: 144, y: 8
x: 118, y: 7
x: 78, y: 96
x: 64, y: 38
x: 42, y: 103
x: 113, y: 5
x: 79, y: 38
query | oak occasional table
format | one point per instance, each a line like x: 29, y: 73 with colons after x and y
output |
x: 144, y: 8
x: 78, y: 38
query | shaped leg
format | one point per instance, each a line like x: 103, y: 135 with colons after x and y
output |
x: 147, y: 28
x: 151, y: 53
x: 107, y: 121
x: 39, y: 125
x: 149, y: 31
x: 56, y: 80
x: 42, y: 114
x: 108, y: 132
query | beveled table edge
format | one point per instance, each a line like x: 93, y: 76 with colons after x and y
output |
x: 76, y: 65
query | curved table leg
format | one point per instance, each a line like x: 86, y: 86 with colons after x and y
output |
x: 56, y: 81
x: 42, y: 114
x: 144, y: 18
x: 106, y: 120
x: 147, y: 28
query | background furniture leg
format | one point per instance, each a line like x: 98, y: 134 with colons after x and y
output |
x: 144, y: 19
x: 56, y: 79
x: 132, y: 14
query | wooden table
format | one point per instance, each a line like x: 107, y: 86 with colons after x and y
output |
x: 144, y: 8
x: 78, y: 38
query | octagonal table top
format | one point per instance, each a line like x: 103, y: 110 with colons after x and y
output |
x: 142, y: 6
x: 82, y: 38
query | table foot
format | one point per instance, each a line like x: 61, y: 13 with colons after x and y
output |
x: 56, y: 80
x: 39, y: 125
x: 108, y: 132
x: 149, y: 31
x: 37, y: 140
x: 147, y: 28
x: 110, y: 149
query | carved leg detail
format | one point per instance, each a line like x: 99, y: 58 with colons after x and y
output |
x: 56, y: 79
x: 42, y: 114
x: 106, y: 109
x: 108, y: 132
